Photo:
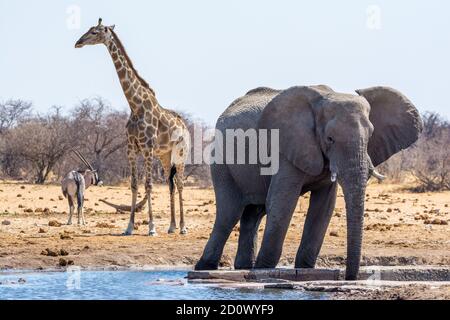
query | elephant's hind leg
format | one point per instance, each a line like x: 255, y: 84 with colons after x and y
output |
x: 321, y: 206
x: 248, y: 236
x: 229, y: 210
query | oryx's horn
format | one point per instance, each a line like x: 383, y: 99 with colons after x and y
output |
x: 83, y: 159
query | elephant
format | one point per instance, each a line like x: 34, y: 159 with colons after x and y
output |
x: 326, y: 138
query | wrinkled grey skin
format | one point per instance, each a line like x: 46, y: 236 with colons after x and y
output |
x: 73, y: 186
x: 321, y: 131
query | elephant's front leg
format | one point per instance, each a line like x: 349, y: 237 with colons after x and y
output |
x: 321, y: 206
x: 248, y: 236
x: 282, y: 198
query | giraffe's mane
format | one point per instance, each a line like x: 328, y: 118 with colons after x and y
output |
x: 130, y: 63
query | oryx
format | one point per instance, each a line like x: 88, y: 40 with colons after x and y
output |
x: 74, y: 184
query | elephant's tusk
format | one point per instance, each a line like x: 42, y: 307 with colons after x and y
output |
x: 377, y: 175
x: 333, y: 176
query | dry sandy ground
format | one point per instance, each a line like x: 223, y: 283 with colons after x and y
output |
x: 401, y: 228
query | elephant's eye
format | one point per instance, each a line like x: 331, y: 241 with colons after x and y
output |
x: 330, y: 140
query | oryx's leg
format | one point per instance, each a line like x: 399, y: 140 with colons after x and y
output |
x: 148, y: 158
x: 132, y: 153
x: 80, y: 200
x: 71, y: 208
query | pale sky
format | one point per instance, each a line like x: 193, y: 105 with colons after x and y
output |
x: 200, y: 55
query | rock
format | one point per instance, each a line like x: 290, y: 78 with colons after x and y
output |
x: 104, y: 225
x: 63, y: 252
x: 19, y: 195
x: 41, y: 198
x: 64, y: 236
x: 38, y: 210
x: 46, y: 210
x: 436, y: 222
x: 145, y: 222
x: 60, y: 198
x: 6, y: 222
x: 21, y: 280
x: 334, y: 234
x: 41, y: 230
x: 389, y: 210
x: 54, y: 223
x: 22, y: 187
x: 20, y: 206
x: 49, y: 252
x: 62, y: 262
x: 28, y: 210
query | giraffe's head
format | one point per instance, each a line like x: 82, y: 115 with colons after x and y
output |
x: 95, y: 35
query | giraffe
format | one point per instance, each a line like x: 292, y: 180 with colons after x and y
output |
x: 152, y: 130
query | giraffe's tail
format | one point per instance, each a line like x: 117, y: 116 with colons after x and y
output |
x: 123, y: 208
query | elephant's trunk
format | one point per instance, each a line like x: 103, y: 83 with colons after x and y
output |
x: 353, y: 174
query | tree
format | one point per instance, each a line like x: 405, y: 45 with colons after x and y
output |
x: 41, y: 141
x: 12, y: 112
x: 102, y: 136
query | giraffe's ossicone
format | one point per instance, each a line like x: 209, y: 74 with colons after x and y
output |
x: 152, y: 130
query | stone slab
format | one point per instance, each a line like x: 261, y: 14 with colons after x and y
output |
x: 375, y: 273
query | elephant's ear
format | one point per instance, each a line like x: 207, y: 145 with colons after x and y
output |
x: 291, y: 112
x: 397, y: 123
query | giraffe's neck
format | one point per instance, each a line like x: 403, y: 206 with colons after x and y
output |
x: 137, y: 92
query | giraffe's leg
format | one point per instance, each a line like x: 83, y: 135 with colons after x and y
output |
x: 169, y: 177
x: 179, y: 183
x: 173, y: 223
x: 148, y: 157
x: 134, y: 188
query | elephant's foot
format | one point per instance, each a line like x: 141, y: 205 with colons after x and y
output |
x: 183, y: 230
x: 204, y: 265
x: 305, y: 261
x: 243, y: 266
x: 265, y: 264
x: 69, y: 223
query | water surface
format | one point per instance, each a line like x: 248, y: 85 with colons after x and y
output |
x: 122, y: 285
